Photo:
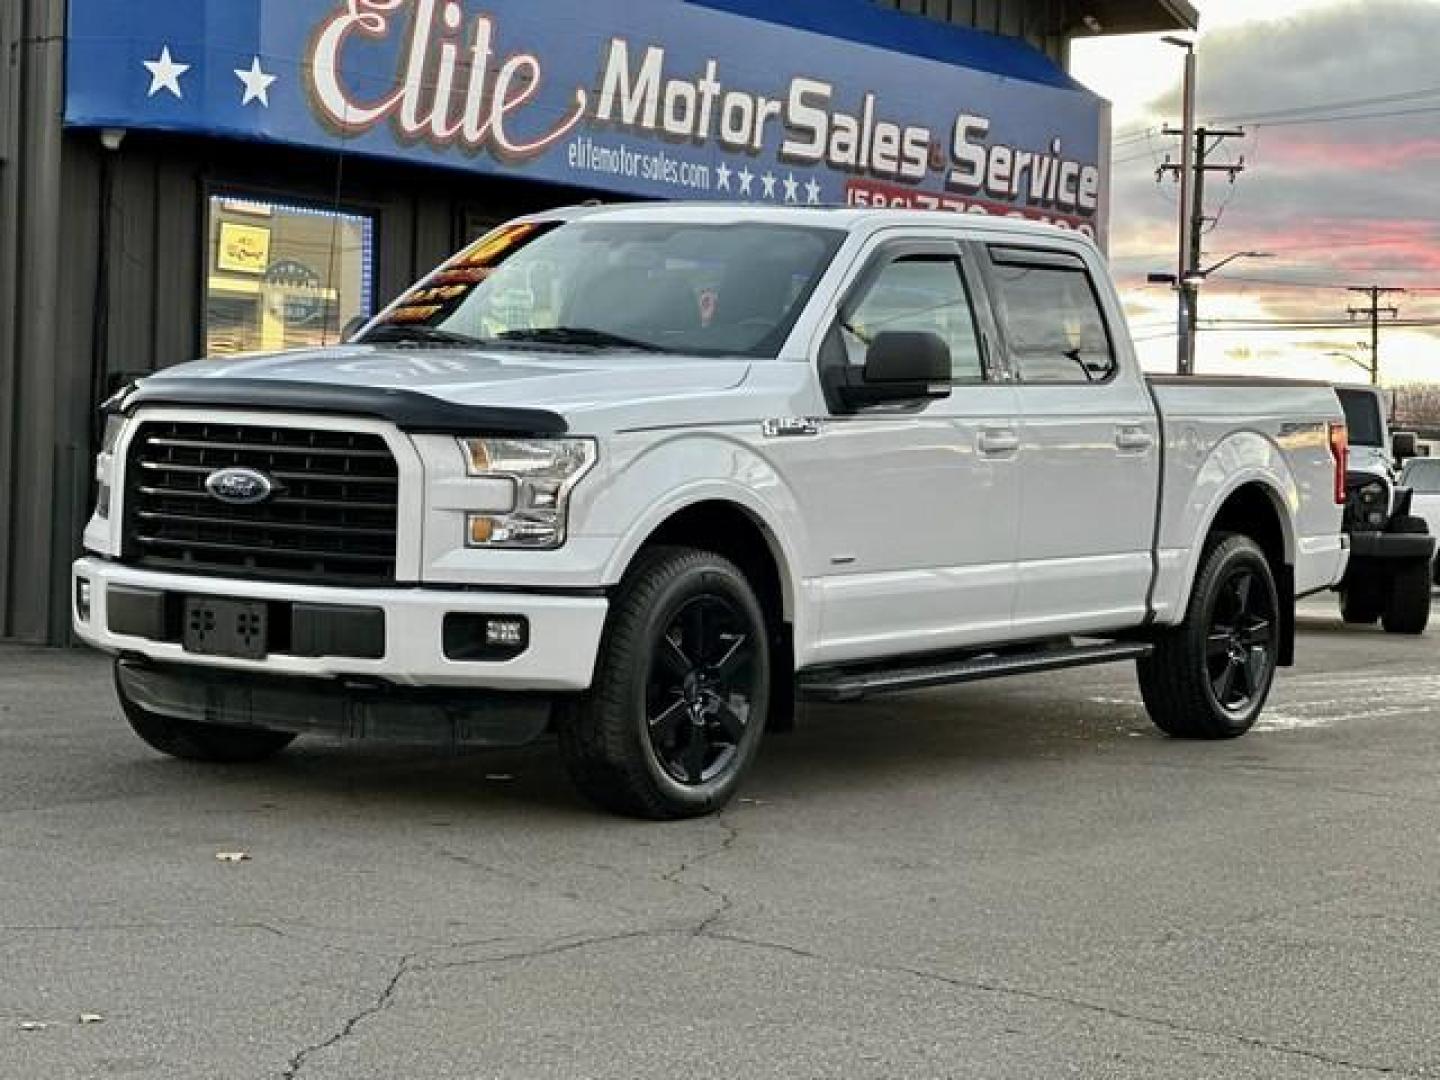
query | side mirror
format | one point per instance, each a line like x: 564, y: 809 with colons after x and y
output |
x: 907, y: 356
x: 901, y: 367
x: 1404, y: 445
x: 353, y: 326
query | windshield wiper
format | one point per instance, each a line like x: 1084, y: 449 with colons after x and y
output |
x: 430, y: 335
x: 579, y: 335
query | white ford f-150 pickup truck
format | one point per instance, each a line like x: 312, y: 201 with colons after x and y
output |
x: 643, y: 476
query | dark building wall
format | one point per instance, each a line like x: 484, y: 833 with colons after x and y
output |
x: 1040, y: 22
x: 31, y: 69
x: 129, y: 267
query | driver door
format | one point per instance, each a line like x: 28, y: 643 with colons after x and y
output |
x: 913, y: 509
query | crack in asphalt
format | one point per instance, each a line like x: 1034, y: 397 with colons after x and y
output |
x: 724, y: 903
x: 407, y: 964
x: 380, y: 1004
x: 1251, y: 1041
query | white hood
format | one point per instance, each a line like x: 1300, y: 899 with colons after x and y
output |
x: 564, y: 382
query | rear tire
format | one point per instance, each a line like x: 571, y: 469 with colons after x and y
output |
x: 1407, y: 608
x: 1209, y: 678
x: 191, y: 740
x: 1361, y: 605
x: 679, y: 702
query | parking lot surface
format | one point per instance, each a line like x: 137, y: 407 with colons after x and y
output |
x: 1013, y: 879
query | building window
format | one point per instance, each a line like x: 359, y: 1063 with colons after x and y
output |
x: 282, y: 276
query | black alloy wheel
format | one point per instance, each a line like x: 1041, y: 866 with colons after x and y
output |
x: 1240, y: 648
x: 1209, y: 677
x: 678, y: 705
x: 700, y: 690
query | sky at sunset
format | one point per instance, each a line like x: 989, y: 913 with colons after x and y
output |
x: 1340, y: 100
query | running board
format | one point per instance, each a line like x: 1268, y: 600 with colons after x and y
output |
x: 840, y: 684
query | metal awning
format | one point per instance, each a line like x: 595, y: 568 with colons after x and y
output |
x: 1137, y: 16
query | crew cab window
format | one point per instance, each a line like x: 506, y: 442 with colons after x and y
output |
x: 1051, y: 316
x: 924, y: 293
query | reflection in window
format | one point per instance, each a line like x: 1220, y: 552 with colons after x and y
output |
x: 1422, y: 475
x: 1053, y: 323
x: 919, y: 294
x: 279, y: 276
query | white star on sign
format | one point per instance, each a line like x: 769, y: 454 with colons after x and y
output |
x: 722, y: 176
x: 256, y: 83
x: 812, y: 192
x: 768, y: 180
x: 792, y: 188
x: 746, y: 178
x: 165, y: 74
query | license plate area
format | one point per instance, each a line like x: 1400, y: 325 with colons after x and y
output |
x: 234, y: 628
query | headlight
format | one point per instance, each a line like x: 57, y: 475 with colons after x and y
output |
x: 114, y: 425
x: 105, y: 463
x: 527, y: 508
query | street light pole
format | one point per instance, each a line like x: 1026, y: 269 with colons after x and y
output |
x: 1185, y: 363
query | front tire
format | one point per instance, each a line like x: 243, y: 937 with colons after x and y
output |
x: 191, y: 740
x: 1209, y: 678
x: 1407, y: 608
x: 675, y: 714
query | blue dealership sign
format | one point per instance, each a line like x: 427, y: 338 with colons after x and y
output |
x: 657, y: 98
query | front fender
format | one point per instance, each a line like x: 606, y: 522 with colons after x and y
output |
x: 650, y: 480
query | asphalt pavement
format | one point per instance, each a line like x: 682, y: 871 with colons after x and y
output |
x: 1014, y: 879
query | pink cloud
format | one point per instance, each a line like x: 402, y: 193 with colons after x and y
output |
x: 1335, y: 156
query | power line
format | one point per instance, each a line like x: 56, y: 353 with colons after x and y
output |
x: 1324, y: 245
x: 1341, y: 118
x: 1384, y: 99
x: 1292, y: 325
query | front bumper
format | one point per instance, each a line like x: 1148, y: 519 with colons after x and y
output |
x: 564, y: 630
x: 335, y: 707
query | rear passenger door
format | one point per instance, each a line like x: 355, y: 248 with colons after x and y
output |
x: 1089, y: 445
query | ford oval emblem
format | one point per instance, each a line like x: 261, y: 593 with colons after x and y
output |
x: 244, y: 487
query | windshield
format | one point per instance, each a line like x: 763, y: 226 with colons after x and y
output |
x: 1422, y: 476
x: 697, y: 289
x: 1362, y: 417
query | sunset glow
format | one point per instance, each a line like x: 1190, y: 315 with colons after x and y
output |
x: 1342, y: 121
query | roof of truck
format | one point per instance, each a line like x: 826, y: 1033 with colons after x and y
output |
x: 849, y: 218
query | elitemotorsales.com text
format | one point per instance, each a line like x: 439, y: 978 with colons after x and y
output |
x: 640, y: 96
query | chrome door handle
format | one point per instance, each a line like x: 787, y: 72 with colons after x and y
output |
x: 998, y: 442
x: 1132, y: 437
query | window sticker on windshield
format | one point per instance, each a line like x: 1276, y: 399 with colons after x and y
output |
x: 494, y: 246
x: 412, y: 313
x: 447, y: 287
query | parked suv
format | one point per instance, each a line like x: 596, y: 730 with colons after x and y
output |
x: 1392, y: 551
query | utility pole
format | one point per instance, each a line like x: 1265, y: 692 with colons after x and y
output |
x: 1373, y: 313
x: 1206, y: 142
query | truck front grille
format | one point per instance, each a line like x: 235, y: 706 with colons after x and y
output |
x: 330, y: 520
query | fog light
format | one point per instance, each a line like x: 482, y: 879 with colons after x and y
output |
x: 477, y: 636
x: 505, y: 633
x: 482, y: 529
x: 82, y: 599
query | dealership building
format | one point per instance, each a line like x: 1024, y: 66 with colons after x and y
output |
x: 180, y: 180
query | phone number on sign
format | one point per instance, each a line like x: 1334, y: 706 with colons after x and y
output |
x: 894, y: 197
